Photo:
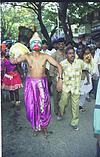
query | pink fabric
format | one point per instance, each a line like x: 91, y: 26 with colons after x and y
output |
x: 37, y: 102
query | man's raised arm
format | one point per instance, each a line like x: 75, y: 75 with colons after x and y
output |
x: 19, y: 59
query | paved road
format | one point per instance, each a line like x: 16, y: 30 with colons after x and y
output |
x: 17, y: 139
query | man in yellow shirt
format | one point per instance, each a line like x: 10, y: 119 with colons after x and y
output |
x: 71, y: 78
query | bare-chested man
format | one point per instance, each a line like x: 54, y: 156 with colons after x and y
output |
x: 36, y: 94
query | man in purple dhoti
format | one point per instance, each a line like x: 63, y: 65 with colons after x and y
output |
x: 37, y: 102
x: 36, y: 94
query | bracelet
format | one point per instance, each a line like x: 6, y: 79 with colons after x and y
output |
x: 60, y: 78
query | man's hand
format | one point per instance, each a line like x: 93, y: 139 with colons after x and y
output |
x: 13, y: 61
x: 59, y: 85
x: 94, y: 76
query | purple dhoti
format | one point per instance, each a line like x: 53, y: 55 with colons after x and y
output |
x: 37, y: 102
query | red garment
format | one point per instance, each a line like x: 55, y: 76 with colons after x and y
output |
x: 11, y: 83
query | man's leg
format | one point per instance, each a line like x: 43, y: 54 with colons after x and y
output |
x: 11, y: 95
x: 82, y: 102
x: 56, y: 98
x: 16, y: 92
x: 95, y: 84
x: 98, y: 149
x: 75, y: 109
x: 63, y: 102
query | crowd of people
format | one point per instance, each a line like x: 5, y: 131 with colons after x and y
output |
x: 68, y: 72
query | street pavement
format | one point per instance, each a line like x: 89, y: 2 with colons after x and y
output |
x: 18, y: 140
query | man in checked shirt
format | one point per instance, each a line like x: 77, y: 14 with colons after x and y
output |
x: 72, y: 70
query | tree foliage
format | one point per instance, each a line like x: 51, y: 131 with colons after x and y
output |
x: 71, y: 13
x: 12, y: 18
x: 44, y: 15
x: 77, y: 10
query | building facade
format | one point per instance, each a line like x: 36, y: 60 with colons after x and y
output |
x: 90, y: 25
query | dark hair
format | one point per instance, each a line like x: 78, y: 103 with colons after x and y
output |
x: 60, y: 40
x: 69, y: 48
x: 69, y: 42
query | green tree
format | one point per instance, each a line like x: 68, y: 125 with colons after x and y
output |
x: 38, y: 9
x: 77, y: 10
x: 45, y: 15
x: 71, y: 13
x: 12, y: 18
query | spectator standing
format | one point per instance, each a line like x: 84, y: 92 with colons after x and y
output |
x: 96, y: 70
x: 86, y: 79
x: 96, y: 122
x: 59, y: 56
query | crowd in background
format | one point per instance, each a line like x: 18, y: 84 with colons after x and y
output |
x: 89, y: 77
x: 58, y: 52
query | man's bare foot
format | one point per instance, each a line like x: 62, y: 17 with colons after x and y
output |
x: 82, y: 109
x: 35, y: 133
x: 59, y: 117
x: 46, y: 132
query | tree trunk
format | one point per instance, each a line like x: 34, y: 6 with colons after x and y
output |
x: 43, y: 29
x: 42, y: 26
x: 70, y: 30
x: 64, y: 20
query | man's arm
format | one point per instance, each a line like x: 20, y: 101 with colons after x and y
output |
x: 52, y: 61
x: 19, y: 59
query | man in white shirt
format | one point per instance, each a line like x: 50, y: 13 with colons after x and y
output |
x: 96, y: 70
x: 46, y: 51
